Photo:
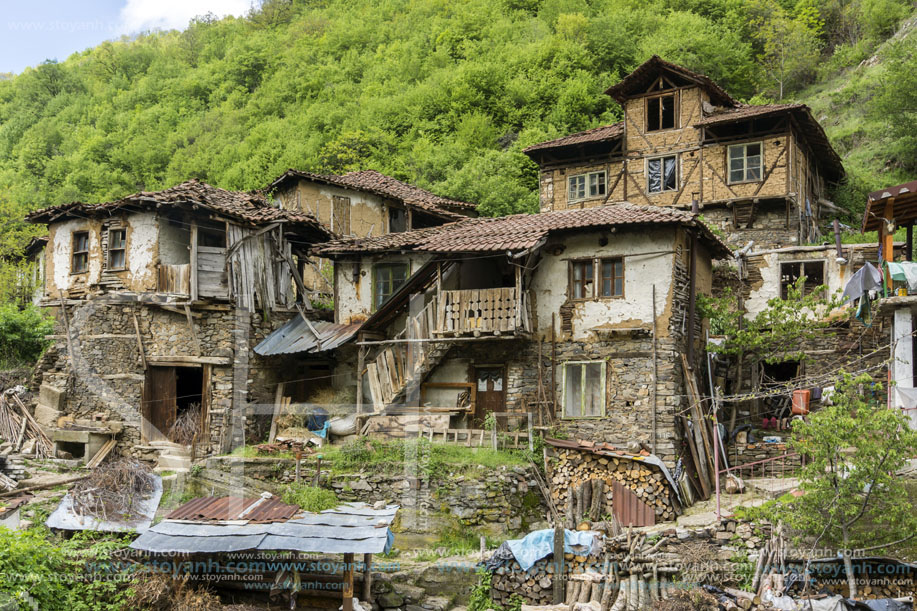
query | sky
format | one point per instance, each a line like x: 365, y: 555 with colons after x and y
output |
x: 32, y: 31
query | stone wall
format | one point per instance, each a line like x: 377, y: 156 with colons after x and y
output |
x: 504, y: 501
x: 106, y: 376
x: 772, y: 227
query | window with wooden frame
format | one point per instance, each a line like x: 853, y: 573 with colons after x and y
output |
x: 584, y: 389
x: 582, y: 186
x: 746, y: 162
x: 662, y: 174
x: 117, y: 249
x: 387, y: 278
x: 582, y: 279
x: 791, y: 272
x: 79, y: 263
x: 611, y: 276
x: 660, y: 112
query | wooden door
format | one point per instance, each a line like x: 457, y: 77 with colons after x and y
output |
x: 491, y: 394
x: 159, y: 404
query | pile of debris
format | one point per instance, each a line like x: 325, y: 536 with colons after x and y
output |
x: 20, y: 432
x: 114, y: 490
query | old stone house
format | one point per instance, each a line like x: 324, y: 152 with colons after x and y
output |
x: 589, y: 310
x: 760, y: 173
x: 159, y: 297
x: 361, y: 204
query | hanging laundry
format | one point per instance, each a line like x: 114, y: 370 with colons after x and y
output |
x: 867, y: 278
x: 905, y: 271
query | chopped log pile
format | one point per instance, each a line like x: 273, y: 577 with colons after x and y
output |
x: 282, y: 444
x: 536, y: 584
x: 583, y: 483
x: 19, y: 428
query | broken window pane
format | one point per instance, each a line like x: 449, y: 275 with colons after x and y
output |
x: 662, y: 174
x: 668, y: 112
x: 654, y: 175
x: 397, y: 221
x: 660, y: 113
x: 670, y: 174
x: 652, y: 114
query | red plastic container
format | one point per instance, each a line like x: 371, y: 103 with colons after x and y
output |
x: 801, y: 400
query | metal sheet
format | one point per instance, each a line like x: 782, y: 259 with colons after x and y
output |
x: 211, y: 509
x: 154, y: 542
x: 628, y: 508
x: 296, y: 336
x: 64, y: 518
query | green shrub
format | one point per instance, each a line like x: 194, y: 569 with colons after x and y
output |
x: 309, y: 497
x: 22, y: 335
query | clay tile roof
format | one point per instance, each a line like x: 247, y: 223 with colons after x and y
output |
x: 645, y: 73
x: 596, y: 134
x: 377, y: 183
x: 812, y: 131
x: 519, y: 231
x: 250, y: 207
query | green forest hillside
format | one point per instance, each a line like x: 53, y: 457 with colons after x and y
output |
x: 444, y: 93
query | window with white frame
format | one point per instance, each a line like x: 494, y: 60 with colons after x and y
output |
x: 584, y: 389
x: 582, y: 186
x: 745, y: 162
x: 662, y: 174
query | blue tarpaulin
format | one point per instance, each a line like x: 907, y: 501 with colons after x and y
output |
x: 540, y: 544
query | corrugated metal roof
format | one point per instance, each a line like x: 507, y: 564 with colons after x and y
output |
x: 354, y: 528
x: 296, y: 336
x: 234, y: 508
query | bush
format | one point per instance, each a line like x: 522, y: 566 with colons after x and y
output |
x: 22, y: 335
x: 310, y: 498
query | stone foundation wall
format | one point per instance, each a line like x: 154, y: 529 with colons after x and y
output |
x: 106, y: 376
x: 770, y: 228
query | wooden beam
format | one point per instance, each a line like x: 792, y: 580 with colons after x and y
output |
x: 143, y: 359
x: 193, y: 360
x: 367, y: 578
x: 194, y: 260
x: 348, y: 583
x: 278, y: 401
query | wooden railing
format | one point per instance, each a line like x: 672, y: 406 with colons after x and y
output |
x: 483, y: 311
x: 175, y: 279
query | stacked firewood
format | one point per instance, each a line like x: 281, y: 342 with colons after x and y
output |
x: 282, y: 444
x: 19, y: 428
x: 590, y: 476
x: 536, y: 585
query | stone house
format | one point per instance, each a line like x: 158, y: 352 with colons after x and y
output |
x: 760, y: 173
x: 361, y: 204
x: 159, y: 297
x: 577, y: 316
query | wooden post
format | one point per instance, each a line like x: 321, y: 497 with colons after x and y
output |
x: 136, y: 330
x: 361, y: 364
x: 655, y: 375
x: 531, y: 441
x: 888, y: 240
x: 910, y: 241
x: 193, y: 287
x: 692, y: 288
x: 367, y: 593
x: 553, y: 368
x: 348, y: 582
x: 558, y: 561
x: 278, y: 401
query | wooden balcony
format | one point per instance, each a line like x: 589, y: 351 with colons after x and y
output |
x: 478, y: 312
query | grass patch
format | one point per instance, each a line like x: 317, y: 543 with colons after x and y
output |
x: 309, y: 497
x: 435, y: 460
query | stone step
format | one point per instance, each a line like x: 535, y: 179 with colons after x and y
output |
x: 173, y: 463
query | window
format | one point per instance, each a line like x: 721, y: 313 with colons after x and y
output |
x: 387, y: 278
x: 745, y: 162
x: 117, y: 248
x: 662, y: 174
x: 584, y: 389
x: 211, y: 236
x: 582, y: 186
x: 660, y: 112
x: 814, y: 271
x: 80, y: 261
x: 582, y: 279
x: 397, y: 222
x: 610, y: 278
x: 612, y: 271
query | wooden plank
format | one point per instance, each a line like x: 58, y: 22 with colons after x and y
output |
x: 194, y: 263
x: 139, y: 341
x: 104, y: 451
x: 278, y: 401
x: 191, y: 360
x: 375, y: 390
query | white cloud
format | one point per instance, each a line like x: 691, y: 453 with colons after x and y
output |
x: 140, y: 15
